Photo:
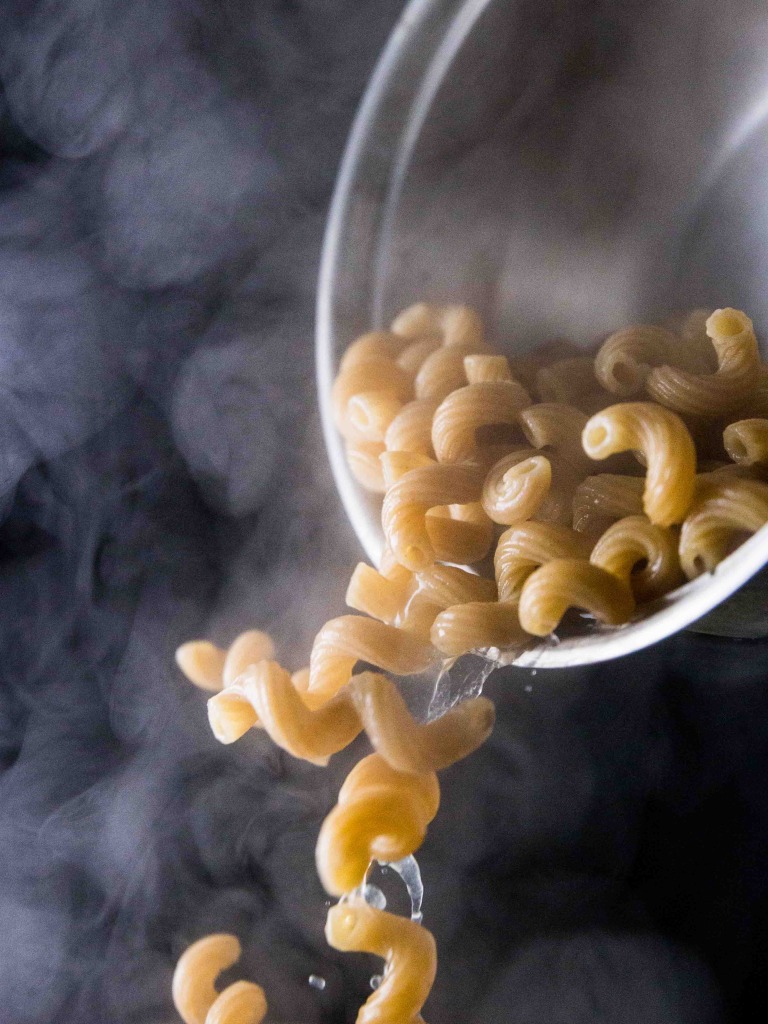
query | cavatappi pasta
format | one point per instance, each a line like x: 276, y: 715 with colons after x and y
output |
x: 476, y: 454
x: 194, y: 993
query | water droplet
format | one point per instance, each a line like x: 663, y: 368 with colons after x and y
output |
x: 327, y: 903
x: 408, y: 869
x: 529, y: 688
x: 376, y: 980
x: 317, y: 982
x: 534, y: 671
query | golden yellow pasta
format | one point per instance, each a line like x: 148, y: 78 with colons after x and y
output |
x: 370, y: 376
x: 694, y: 349
x: 194, y: 993
x: 600, y: 500
x: 370, y: 413
x: 467, y: 410
x: 665, y: 445
x: 407, y: 948
x: 627, y: 356
x: 516, y: 487
x: 520, y: 550
x: 721, y: 392
x: 344, y: 641
x: 566, y: 583
x: 557, y: 426
x: 725, y: 513
x: 364, y: 461
x: 374, y: 345
x: 412, y: 358
x: 443, y: 371
x: 485, y: 369
x: 641, y: 555
x: 409, y: 499
x: 267, y: 697
x: 411, y: 429
x: 210, y: 668
x: 746, y: 441
x: 459, y: 533
x: 455, y: 325
x: 381, y: 814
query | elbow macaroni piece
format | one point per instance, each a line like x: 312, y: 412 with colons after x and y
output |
x: 719, y: 393
x: 381, y: 814
x: 747, y: 442
x: 566, y: 583
x: 641, y: 555
x: 409, y: 953
x: 663, y: 440
x: 194, y: 993
x: 371, y: 376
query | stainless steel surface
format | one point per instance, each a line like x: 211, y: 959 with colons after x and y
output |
x: 567, y: 167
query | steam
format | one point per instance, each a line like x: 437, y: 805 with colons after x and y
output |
x: 165, y: 172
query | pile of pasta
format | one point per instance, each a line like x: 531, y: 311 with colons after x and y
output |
x: 496, y: 524
x: 479, y: 455
x: 383, y: 809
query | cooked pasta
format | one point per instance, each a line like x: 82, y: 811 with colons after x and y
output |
x: 411, y: 429
x: 267, y: 697
x: 370, y: 413
x: 459, y: 533
x: 665, y: 445
x: 721, y: 392
x: 410, y: 498
x: 566, y: 583
x: 443, y: 371
x: 516, y: 487
x: 641, y: 555
x: 482, y: 369
x: 467, y: 410
x: 344, y: 641
x: 520, y: 550
x: 372, y: 346
x: 747, y: 442
x: 210, y: 668
x: 407, y: 948
x: 600, y: 500
x: 727, y: 511
x: 381, y: 814
x: 456, y: 325
x: 412, y: 358
x: 557, y: 426
x: 364, y: 461
x: 371, y: 376
x: 627, y: 356
x: 194, y: 993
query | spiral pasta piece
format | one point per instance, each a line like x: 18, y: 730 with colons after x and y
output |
x: 572, y: 583
x: 195, y: 996
x: 443, y: 370
x: 211, y: 668
x: 376, y: 378
x: 459, y: 533
x: 626, y: 357
x: 411, y: 429
x: 600, y: 500
x: 407, y: 948
x: 520, y: 550
x: 455, y: 325
x: 483, y: 369
x: 666, y: 446
x: 363, y: 459
x: 467, y: 410
x: 412, y: 358
x: 381, y: 814
x: 641, y: 555
x: 746, y: 442
x: 729, y: 509
x: 516, y: 487
x: 557, y: 426
x: 373, y: 346
x: 344, y: 641
x: 409, y: 499
x: 719, y: 393
x: 370, y: 702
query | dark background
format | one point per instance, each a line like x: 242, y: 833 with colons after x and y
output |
x: 165, y: 170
